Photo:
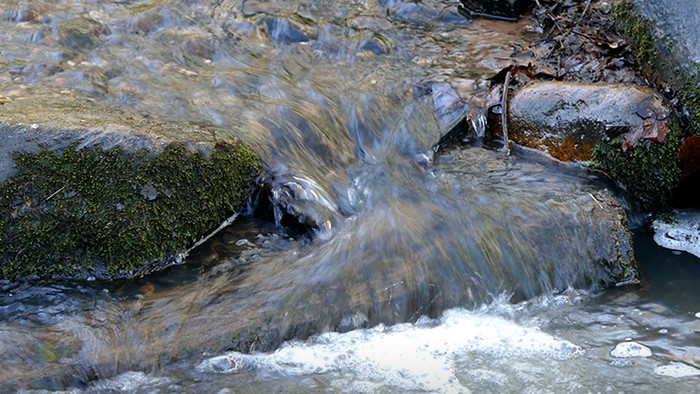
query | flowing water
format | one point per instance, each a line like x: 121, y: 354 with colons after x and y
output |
x: 365, y: 239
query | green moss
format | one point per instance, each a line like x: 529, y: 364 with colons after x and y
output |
x: 690, y: 97
x: 650, y: 171
x: 638, y: 32
x: 114, y: 213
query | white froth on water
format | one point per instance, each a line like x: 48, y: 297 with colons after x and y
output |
x: 677, y: 370
x: 418, y: 356
x: 127, y: 382
x: 630, y: 349
x: 682, y: 235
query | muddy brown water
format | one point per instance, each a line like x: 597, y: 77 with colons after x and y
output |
x: 345, y: 101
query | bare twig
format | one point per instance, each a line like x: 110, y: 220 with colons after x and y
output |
x: 504, y: 113
x: 588, y: 4
x: 223, y: 225
x: 54, y: 193
x: 596, y: 200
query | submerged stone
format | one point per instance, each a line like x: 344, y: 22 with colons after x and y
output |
x: 545, y: 231
x: 93, y: 192
x: 567, y: 119
x: 283, y: 32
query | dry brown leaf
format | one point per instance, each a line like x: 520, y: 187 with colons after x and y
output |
x: 689, y: 155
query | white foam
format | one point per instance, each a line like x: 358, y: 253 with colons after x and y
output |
x: 406, y: 356
x: 630, y: 349
x: 677, y: 370
x: 682, y: 235
x: 127, y: 382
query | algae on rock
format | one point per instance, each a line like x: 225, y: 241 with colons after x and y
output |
x: 103, y: 193
x: 650, y: 171
x: 102, y: 213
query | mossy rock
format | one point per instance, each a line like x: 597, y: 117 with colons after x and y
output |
x: 658, y: 35
x: 650, y: 171
x: 107, y: 207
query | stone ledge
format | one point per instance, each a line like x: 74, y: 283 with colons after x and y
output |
x: 92, y: 192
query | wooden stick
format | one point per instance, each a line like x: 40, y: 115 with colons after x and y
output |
x: 588, y: 4
x: 504, y: 113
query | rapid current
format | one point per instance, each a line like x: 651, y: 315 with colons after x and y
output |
x: 377, y: 262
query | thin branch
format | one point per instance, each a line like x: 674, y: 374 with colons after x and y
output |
x: 504, y: 113
x: 596, y: 200
x: 588, y: 4
x: 54, y: 193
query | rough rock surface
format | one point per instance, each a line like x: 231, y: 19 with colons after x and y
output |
x: 87, y: 191
x: 567, y: 119
x: 676, y: 24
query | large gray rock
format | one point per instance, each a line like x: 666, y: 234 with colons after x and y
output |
x: 663, y: 36
x: 88, y: 191
x: 529, y: 226
x: 676, y: 24
x: 567, y: 119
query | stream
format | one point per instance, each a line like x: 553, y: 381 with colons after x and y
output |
x: 371, y: 260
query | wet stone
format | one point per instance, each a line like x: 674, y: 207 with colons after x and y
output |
x: 567, y: 119
x: 65, y: 162
x: 81, y: 33
x: 283, y: 32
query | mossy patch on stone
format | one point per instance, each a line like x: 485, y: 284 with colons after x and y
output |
x: 690, y: 96
x: 653, y: 56
x: 114, y: 213
x: 638, y: 32
x: 650, y: 171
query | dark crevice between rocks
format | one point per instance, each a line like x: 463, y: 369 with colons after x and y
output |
x: 505, y: 10
x: 264, y: 206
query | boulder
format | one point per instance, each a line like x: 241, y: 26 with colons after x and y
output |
x: 663, y: 36
x: 626, y: 130
x: 93, y: 192
x: 549, y: 229
x: 567, y: 119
